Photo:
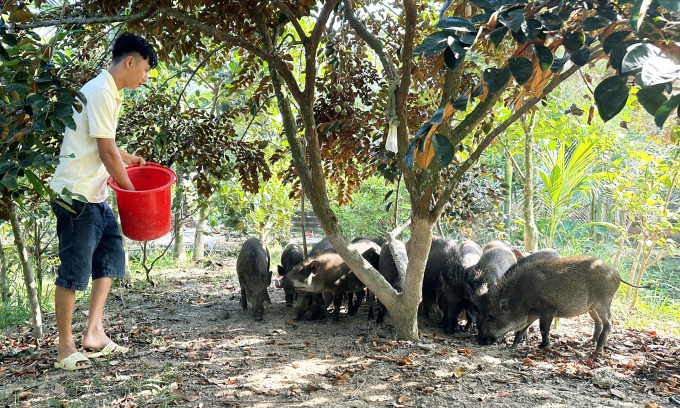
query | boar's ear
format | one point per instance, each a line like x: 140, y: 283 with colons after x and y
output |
x: 313, y: 266
x: 504, y: 304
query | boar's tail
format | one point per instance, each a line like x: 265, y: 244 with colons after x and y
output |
x: 639, y: 287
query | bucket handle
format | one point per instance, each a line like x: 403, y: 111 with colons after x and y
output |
x: 174, y: 176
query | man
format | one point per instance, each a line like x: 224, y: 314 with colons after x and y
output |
x: 90, y: 243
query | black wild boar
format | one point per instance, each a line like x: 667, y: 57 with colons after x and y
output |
x: 443, y: 282
x: 482, y: 277
x: 252, y: 267
x: 550, y: 288
x: 322, y: 246
x: 545, y: 253
x: 291, y: 256
x: 470, y: 253
x: 327, y: 274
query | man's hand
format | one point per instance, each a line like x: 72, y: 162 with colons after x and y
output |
x: 131, y: 158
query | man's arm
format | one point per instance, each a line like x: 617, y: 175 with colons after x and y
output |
x: 130, y: 158
x: 111, y: 157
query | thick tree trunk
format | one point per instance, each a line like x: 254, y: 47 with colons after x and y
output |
x: 530, y: 229
x: 4, y: 287
x: 29, y: 281
x: 199, y: 238
x: 178, y: 251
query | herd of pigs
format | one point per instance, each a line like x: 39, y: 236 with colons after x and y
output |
x: 499, y: 289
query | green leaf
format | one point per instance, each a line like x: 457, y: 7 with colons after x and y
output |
x: 659, y: 70
x: 455, y: 23
x: 410, y: 153
x: 58, y: 125
x: 438, y: 117
x: 434, y: 43
x: 618, y: 52
x: 665, y: 109
x: 462, y: 101
x: 595, y: 22
x: 636, y: 56
x: 614, y: 39
x: 532, y: 28
x: 551, y: 21
x: 9, y: 181
x: 443, y: 149
x: 35, y: 181
x: 581, y: 56
x: 498, y: 35
x: 573, y: 41
x: 4, y: 56
x: 451, y: 60
x: 521, y: 68
x: 545, y: 57
x: 611, y: 96
x: 31, y: 99
x: 515, y: 23
x: 63, y: 109
x: 495, y: 79
x: 651, y: 99
x: 16, y: 87
x: 7, y: 166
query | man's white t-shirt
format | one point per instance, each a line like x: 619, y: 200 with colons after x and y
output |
x: 85, y: 173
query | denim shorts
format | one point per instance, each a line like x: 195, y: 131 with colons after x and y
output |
x: 90, y: 244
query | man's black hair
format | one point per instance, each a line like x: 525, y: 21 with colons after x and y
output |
x: 128, y: 43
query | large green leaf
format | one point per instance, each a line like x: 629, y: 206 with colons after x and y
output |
x: 618, y: 52
x: 443, y: 149
x: 573, y: 41
x: 521, y: 68
x: 636, y: 56
x: 581, y: 56
x: 455, y: 23
x: 545, y: 57
x: 614, y: 39
x: 495, y: 79
x: 665, y: 109
x: 452, y: 60
x: 659, y: 70
x: 551, y: 21
x: 437, y: 117
x: 462, y: 101
x: 595, y: 22
x: 515, y: 22
x: 498, y: 35
x: 611, y: 96
x: 651, y: 99
x: 434, y: 43
x: 446, y: 5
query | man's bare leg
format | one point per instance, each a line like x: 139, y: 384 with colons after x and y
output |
x: 95, y: 337
x: 64, y: 304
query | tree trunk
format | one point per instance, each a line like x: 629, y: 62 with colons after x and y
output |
x: 178, y: 251
x: 29, y: 281
x: 4, y: 287
x: 199, y: 238
x: 507, y: 207
x: 530, y: 229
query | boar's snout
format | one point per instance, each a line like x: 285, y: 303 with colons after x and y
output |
x: 485, y: 340
x: 277, y: 282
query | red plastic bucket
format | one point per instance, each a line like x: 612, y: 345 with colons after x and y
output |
x: 145, y: 213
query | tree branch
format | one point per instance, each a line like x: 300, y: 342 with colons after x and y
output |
x: 85, y: 20
x: 444, y: 198
x: 293, y: 19
x: 238, y: 41
x: 310, y: 57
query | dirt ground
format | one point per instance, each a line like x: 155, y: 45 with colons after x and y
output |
x: 192, y: 346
